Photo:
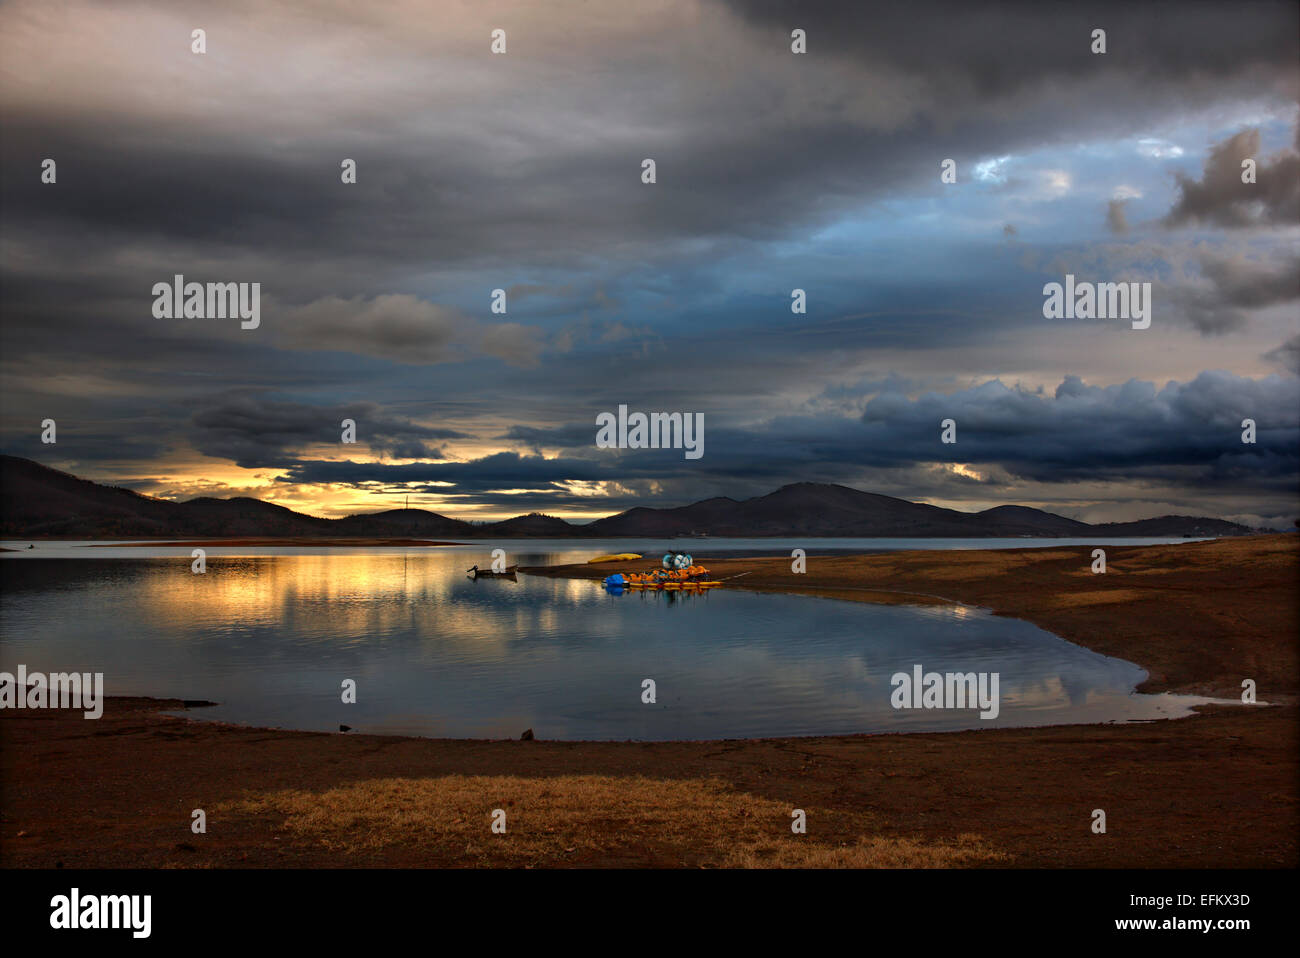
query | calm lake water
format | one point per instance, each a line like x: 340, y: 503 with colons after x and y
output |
x: 270, y: 636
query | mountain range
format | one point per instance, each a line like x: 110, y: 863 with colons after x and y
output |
x: 38, y: 502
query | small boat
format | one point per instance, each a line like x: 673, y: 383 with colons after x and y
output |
x: 620, y: 557
x: 476, y: 573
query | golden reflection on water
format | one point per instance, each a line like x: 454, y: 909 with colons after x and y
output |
x: 368, y: 597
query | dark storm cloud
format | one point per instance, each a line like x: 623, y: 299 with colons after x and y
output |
x: 256, y: 431
x: 1130, y: 430
x: 1236, y: 284
x: 236, y: 196
x: 536, y: 438
x: 1242, y: 283
x: 506, y: 469
x: 1288, y: 354
x: 81, y: 446
x: 997, y: 51
x: 522, y: 172
x: 1221, y: 198
x: 1185, y: 432
x: 404, y: 329
x: 752, y: 160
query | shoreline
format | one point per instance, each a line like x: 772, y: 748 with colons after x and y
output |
x: 1165, y: 608
x: 174, y: 706
x: 1217, y: 789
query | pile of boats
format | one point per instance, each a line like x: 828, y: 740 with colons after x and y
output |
x: 696, y: 577
x: 677, y: 572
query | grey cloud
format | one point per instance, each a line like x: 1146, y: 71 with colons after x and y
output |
x: 522, y: 172
x: 572, y: 436
x: 1212, y: 288
x: 254, y: 431
x: 1128, y: 430
x: 1116, y: 217
x: 404, y: 329
x: 514, y: 343
x: 401, y: 328
x: 754, y: 159
x: 1131, y: 431
x: 1235, y: 285
x: 1241, y: 282
x: 1220, y: 198
x: 1287, y: 354
x: 521, y: 291
x: 506, y: 468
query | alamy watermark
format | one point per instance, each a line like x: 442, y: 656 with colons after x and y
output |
x: 658, y: 430
x: 951, y: 690
x: 75, y: 910
x: 58, y: 690
x: 1130, y: 301
x: 181, y: 300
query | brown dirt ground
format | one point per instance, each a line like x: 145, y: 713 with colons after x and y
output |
x: 1215, y: 790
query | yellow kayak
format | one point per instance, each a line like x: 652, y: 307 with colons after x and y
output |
x: 621, y: 557
x: 671, y: 585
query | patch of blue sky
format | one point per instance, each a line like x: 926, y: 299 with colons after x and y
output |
x: 931, y: 247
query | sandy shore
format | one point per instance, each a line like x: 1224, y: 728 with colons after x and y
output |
x: 1215, y: 790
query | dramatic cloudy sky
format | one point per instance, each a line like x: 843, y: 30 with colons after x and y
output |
x: 775, y: 171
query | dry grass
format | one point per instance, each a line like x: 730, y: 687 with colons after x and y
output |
x: 586, y: 820
x: 966, y: 850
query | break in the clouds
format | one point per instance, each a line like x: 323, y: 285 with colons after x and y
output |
x: 776, y: 171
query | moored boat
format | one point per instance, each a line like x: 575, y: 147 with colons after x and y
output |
x: 476, y: 573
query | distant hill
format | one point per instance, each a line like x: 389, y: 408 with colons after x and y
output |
x: 39, y: 502
x: 813, y: 509
x: 411, y: 523
x: 36, y: 501
x: 1172, y: 526
x: 536, y: 525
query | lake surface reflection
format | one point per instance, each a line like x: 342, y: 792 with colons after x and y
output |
x: 272, y: 637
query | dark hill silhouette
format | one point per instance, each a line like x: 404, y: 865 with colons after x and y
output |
x: 36, y: 501
x: 411, y: 523
x: 807, y: 508
x: 535, y: 525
